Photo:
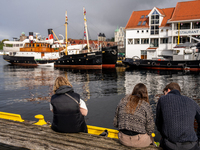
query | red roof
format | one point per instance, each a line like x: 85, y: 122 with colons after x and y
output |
x: 168, y: 14
x: 136, y: 18
x: 186, y: 11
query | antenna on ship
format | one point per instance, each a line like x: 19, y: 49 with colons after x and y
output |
x: 66, y: 19
x: 84, y: 13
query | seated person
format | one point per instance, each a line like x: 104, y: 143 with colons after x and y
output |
x: 175, y: 115
x: 134, y: 118
x: 67, y: 107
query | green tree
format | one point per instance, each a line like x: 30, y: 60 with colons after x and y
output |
x: 1, y: 43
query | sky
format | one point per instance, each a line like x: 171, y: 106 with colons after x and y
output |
x: 103, y: 16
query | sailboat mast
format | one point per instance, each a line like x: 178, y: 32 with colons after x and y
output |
x: 84, y: 13
x: 66, y: 19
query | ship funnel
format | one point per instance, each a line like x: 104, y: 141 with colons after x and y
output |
x: 31, y: 37
x: 50, y: 34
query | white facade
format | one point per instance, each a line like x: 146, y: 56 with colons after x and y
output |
x: 119, y: 37
x: 157, y: 41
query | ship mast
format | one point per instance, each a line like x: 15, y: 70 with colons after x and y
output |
x: 84, y: 13
x: 66, y: 19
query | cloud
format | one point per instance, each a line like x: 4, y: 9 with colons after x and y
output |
x: 102, y: 16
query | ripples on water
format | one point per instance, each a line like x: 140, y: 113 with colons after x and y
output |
x: 27, y: 91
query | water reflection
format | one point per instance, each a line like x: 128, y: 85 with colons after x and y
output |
x: 27, y: 91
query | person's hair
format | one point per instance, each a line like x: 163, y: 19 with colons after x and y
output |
x: 165, y: 89
x: 60, y: 81
x: 139, y: 93
x: 173, y: 86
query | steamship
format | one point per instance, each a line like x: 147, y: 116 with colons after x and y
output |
x: 87, y: 58
x: 34, y: 52
x: 31, y: 52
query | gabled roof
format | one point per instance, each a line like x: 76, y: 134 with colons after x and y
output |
x: 168, y: 14
x: 136, y: 17
x: 186, y: 11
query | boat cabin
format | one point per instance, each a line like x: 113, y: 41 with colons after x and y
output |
x: 39, y: 47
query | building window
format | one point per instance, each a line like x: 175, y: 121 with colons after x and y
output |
x: 163, y: 40
x: 142, y: 31
x: 196, y: 25
x: 146, y: 16
x: 137, y: 31
x: 147, y: 31
x: 142, y: 16
x: 130, y: 41
x: 182, y: 39
x: 139, y: 23
x: 155, y: 23
x: 143, y: 54
x: 183, y: 26
x: 144, y: 23
x: 137, y: 41
x: 154, y: 43
x: 144, y: 41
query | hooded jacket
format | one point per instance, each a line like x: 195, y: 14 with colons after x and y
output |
x: 67, y: 117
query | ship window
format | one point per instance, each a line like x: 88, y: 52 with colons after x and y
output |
x: 29, y: 45
x: 37, y: 45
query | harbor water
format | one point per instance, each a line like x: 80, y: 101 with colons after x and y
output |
x: 27, y: 91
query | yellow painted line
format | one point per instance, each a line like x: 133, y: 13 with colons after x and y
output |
x: 98, y: 130
x: 10, y: 116
x: 91, y: 129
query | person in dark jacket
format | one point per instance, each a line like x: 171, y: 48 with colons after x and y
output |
x: 175, y: 116
x: 67, y: 107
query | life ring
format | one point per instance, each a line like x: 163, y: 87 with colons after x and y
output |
x: 169, y: 64
x: 137, y: 63
x: 153, y: 63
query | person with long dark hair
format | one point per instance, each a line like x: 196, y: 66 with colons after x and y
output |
x: 67, y: 107
x: 134, y: 118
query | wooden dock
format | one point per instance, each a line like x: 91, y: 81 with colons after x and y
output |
x: 26, y: 135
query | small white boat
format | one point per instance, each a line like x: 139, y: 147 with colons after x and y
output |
x: 46, y: 65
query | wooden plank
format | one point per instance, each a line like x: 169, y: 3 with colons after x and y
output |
x: 27, y: 135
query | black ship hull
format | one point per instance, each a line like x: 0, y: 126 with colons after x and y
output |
x: 109, y: 57
x: 91, y: 60
x: 25, y: 61
x: 94, y: 60
x: 193, y: 65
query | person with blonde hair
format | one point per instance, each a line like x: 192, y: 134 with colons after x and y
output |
x: 134, y: 118
x: 67, y: 107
